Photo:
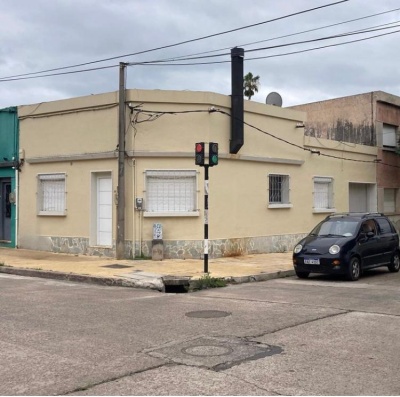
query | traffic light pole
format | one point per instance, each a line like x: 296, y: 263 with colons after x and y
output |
x: 200, y: 159
x: 206, y: 218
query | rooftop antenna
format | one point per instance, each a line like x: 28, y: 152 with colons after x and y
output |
x: 273, y: 98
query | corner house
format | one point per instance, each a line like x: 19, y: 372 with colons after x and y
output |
x: 262, y: 199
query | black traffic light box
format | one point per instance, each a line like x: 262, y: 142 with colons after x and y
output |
x: 199, y: 152
x: 213, y: 153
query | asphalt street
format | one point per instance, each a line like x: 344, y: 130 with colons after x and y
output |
x: 320, y: 336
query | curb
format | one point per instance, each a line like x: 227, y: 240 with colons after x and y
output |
x: 260, y: 277
x: 155, y: 283
x: 83, y: 278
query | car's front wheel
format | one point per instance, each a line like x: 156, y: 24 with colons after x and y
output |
x: 302, y: 274
x: 394, y: 266
x: 354, y: 270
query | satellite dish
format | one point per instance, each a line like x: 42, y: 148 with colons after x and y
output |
x: 273, y: 98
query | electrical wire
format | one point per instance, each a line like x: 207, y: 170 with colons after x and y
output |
x: 312, y: 151
x: 323, y: 47
x: 324, y: 27
x: 262, y: 57
x: 59, y: 74
x: 157, y: 63
x: 363, y: 31
x: 373, y: 29
x: 293, y: 34
x: 164, y: 62
x: 176, y: 44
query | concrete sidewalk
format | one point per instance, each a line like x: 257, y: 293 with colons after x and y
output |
x: 143, y: 273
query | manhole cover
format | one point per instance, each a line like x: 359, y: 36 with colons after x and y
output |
x: 207, y: 350
x: 116, y: 266
x: 216, y: 353
x: 208, y: 314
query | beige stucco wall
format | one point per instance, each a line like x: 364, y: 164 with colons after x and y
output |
x: 79, y: 137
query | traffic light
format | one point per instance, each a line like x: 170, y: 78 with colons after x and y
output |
x: 199, y: 153
x: 213, y: 153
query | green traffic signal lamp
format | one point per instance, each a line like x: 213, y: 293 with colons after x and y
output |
x: 213, y: 153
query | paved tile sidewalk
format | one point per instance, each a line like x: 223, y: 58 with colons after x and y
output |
x: 142, y: 273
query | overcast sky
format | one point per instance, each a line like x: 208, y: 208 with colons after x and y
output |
x: 42, y: 34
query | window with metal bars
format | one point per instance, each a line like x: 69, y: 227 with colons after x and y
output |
x: 278, y: 189
x: 323, y: 193
x: 171, y: 191
x: 52, y: 194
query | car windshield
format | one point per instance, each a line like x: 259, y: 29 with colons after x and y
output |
x: 336, y: 227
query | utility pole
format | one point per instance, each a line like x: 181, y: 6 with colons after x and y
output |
x: 120, y: 243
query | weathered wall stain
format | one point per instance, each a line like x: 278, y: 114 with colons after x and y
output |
x: 342, y: 131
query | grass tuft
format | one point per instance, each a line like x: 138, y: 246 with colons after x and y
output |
x: 207, y: 281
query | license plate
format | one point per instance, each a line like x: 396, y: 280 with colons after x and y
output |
x: 311, y: 261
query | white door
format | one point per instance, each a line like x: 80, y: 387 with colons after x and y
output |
x: 104, y: 211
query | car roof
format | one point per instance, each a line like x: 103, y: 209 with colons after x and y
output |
x: 355, y: 215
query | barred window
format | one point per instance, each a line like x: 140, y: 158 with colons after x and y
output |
x: 171, y: 191
x: 278, y: 189
x: 51, y: 194
x: 323, y: 193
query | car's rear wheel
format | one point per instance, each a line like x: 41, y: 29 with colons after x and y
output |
x: 302, y: 274
x: 394, y: 266
x: 354, y: 270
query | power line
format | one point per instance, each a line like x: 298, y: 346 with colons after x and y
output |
x: 323, y: 27
x: 339, y: 35
x: 323, y: 47
x: 176, y: 44
x: 58, y: 74
x: 292, y: 34
x: 160, y: 63
x: 324, y: 38
x: 156, y: 63
x: 163, y: 62
x: 312, y: 151
x: 293, y: 144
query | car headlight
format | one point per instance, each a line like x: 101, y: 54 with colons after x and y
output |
x: 334, y: 249
x: 298, y: 248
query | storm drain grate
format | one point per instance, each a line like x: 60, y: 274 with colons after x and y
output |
x: 117, y: 266
x: 216, y: 353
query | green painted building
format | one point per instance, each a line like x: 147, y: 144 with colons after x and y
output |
x: 9, y: 165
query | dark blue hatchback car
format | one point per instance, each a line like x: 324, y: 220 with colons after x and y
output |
x: 348, y: 244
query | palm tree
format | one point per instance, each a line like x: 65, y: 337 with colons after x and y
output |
x: 250, y: 85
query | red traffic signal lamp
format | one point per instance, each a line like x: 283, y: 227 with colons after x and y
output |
x: 213, y: 153
x: 199, y: 153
